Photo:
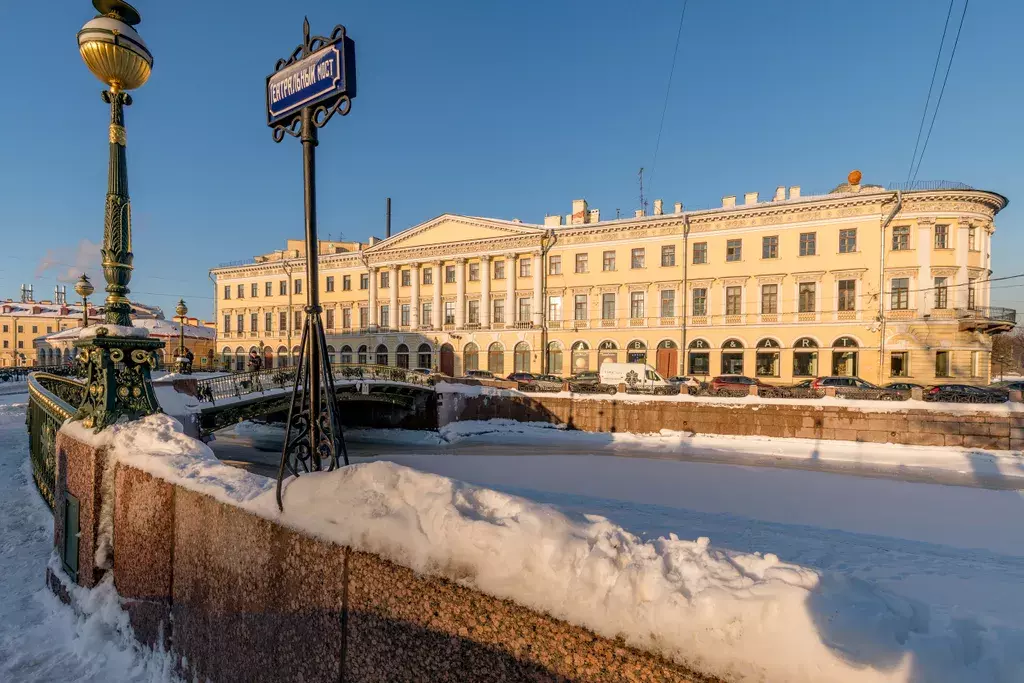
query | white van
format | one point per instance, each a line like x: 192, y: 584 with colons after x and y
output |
x: 636, y: 377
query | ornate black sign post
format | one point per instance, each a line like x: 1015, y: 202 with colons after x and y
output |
x: 316, y: 82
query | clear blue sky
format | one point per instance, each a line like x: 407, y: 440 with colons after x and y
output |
x: 506, y: 109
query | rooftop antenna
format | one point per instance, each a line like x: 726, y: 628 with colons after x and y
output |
x: 643, y: 202
x: 387, y: 218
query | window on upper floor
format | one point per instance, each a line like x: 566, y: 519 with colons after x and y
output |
x: 700, y: 252
x: 637, y: 258
x: 254, y: 290
x: 941, y: 292
x: 330, y: 318
x: 364, y: 281
x: 298, y: 286
x: 346, y: 282
x: 770, y: 246
x: 733, y: 250
x: 847, y: 295
x: 700, y: 301
x: 499, y: 270
x: 282, y: 322
x: 972, y: 238
x: 330, y: 283
x: 847, y: 240
x: 636, y: 305
x: 581, y: 263
x: 282, y: 288
x: 808, y: 243
x: 240, y: 321
x: 268, y: 288
x: 525, y: 267
x: 668, y: 303
x: 807, y: 294
x: 406, y: 278
x: 580, y: 307
x: 733, y: 300
x: 385, y: 279
x: 901, y: 238
x: 449, y: 274
x: 608, y: 306
x: 428, y: 276
x: 268, y: 322
x: 474, y: 272
x: 254, y: 321
x: 608, y: 261
x: 554, y: 265
x: 941, y: 236
x: 668, y: 255
x: 240, y: 291
x: 769, y: 299
x: 227, y: 323
x: 899, y: 295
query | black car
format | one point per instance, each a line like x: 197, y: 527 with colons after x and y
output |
x: 903, y: 386
x: 963, y: 393
x: 521, y: 377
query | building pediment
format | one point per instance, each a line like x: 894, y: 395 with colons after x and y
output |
x: 450, y: 230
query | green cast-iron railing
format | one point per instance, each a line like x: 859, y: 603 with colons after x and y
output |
x: 51, y: 401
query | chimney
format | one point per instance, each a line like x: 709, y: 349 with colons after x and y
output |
x: 729, y: 202
x: 387, y: 218
x: 750, y: 198
x: 780, y: 193
x: 579, y: 212
x: 679, y: 207
x: 552, y: 220
x: 639, y: 213
x: 794, y: 192
x: 595, y: 216
x: 373, y: 240
x: 659, y: 207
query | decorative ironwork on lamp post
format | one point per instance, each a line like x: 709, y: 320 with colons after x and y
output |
x: 183, y: 366
x: 305, y: 91
x: 118, y: 359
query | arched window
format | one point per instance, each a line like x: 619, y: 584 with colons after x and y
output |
x: 331, y: 354
x: 732, y: 357
x: 636, y: 352
x: 845, y: 342
x: 805, y: 357
x: 361, y: 354
x: 268, y: 357
x: 239, y: 359
x: 767, y: 360
x: 424, y: 355
x: 667, y: 358
x: 845, y: 357
x: 446, y: 360
x: 382, y: 354
x: 496, y: 359
x: 699, y: 358
x: 470, y: 357
x: 282, y: 356
x: 607, y: 352
x: 580, y: 357
x: 402, y: 356
x: 346, y: 354
x: 295, y: 355
x: 555, y: 358
x: 522, y: 357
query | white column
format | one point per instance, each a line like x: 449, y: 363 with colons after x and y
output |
x: 538, y: 277
x: 460, y: 293
x: 372, y: 302
x: 510, y: 290
x: 438, y: 313
x: 393, y: 310
x: 414, y: 305
x: 485, y: 292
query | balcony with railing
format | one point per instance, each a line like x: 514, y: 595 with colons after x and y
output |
x: 987, y: 319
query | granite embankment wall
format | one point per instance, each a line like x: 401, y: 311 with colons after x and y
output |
x: 916, y: 426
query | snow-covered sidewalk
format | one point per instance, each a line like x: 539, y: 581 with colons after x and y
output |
x: 41, y: 639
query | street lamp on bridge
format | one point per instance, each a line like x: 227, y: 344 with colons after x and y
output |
x: 84, y: 289
x: 182, y: 355
x: 118, y: 360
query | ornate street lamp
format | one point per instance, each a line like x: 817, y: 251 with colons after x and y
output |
x: 84, y: 289
x: 182, y: 311
x: 119, y: 359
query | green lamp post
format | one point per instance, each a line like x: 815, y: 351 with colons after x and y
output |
x: 182, y: 354
x: 84, y: 289
x: 118, y: 357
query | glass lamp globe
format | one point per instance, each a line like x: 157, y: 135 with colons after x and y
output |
x: 83, y: 287
x: 181, y: 309
x: 114, y: 52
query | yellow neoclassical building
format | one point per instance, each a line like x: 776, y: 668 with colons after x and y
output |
x: 883, y: 284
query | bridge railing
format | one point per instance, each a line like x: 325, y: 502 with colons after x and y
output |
x: 240, y: 384
x: 52, y: 399
x: 21, y: 373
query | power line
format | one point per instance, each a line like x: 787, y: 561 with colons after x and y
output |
x: 668, y: 89
x: 931, y: 85
x: 942, y: 90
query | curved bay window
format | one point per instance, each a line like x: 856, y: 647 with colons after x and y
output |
x: 766, y: 362
x: 402, y: 356
x: 346, y: 354
x: 522, y: 357
x: 636, y: 352
x: 844, y: 357
x: 361, y: 354
x: 382, y: 354
x: 470, y: 357
x: 805, y: 357
x: 496, y: 359
x: 607, y: 352
x: 732, y: 357
x: 555, y: 358
x: 580, y: 357
x: 699, y: 358
x: 424, y: 356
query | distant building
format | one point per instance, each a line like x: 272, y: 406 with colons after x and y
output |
x: 200, y: 338
x: 789, y: 288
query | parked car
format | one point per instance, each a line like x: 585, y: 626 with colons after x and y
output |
x: 734, y: 383
x: 637, y: 377
x: 480, y: 374
x: 586, y: 377
x: 857, y: 388
x: 549, y: 383
x: 1007, y: 385
x: 426, y: 372
x: 520, y: 376
x: 963, y: 393
x: 589, y: 382
x: 903, y: 386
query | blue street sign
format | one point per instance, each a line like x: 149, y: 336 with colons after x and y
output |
x: 317, y: 78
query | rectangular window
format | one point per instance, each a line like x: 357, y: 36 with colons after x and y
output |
x: 580, y: 307
x: 975, y: 363
x: 254, y: 290
x: 554, y: 308
x: 298, y: 286
x: 524, y: 309
x: 899, y: 364
x: 449, y: 312
x: 942, y: 363
x: 364, y: 281
x: 581, y: 263
x: 282, y: 288
x: 941, y: 292
x: 425, y: 315
x: 734, y: 250
x: 268, y: 322
x: 384, y: 315
x: 668, y: 255
x: 847, y: 295
x: 227, y: 291
x: 807, y: 293
x: 499, y: 270
x: 282, y: 322
x: 330, y: 318
x: 241, y: 291
x: 554, y: 265
x: 700, y: 252
x: 733, y: 300
x: 499, y: 311
x: 972, y: 238
x: 473, y: 312
x: 346, y: 283
x: 636, y: 304
x: 608, y: 306
x: 35, y: 328
x: 474, y: 272
x: 227, y: 323
x: 330, y: 283
x: 808, y: 243
x: 668, y: 303
x: 941, y: 236
x: 848, y: 240
x: 637, y: 258
x: 900, y: 295
x: 428, y: 276
x: 525, y: 267
x: 608, y: 261
x: 770, y: 246
x: 449, y: 274
x: 406, y: 278
x: 268, y: 288
x: 405, y: 313
x: 346, y: 318
x: 769, y: 298
x: 970, y: 294
x: 385, y: 279
x: 298, y: 320
x: 254, y: 321
x: 240, y: 321
x: 700, y: 301
x: 901, y: 238
x: 364, y: 317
